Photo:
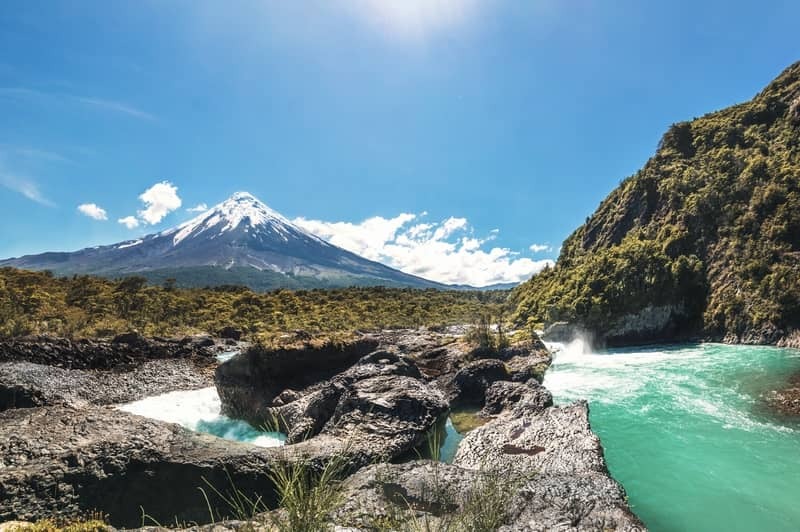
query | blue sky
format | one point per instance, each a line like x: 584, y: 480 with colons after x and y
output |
x: 512, y: 118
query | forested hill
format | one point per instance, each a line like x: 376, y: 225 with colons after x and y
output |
x: 705, y: 239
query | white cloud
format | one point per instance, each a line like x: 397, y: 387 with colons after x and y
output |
x: 366, y: 239
x: 24, y: 186
x: 129, y: 221
x: 41, y: 97
x: 538, y: 248
x: 94, y: 211
x: 160, y: 199
x: 412, y: 19
x: 200, y: 207
x: 117, y: 107
x: 445, y: 251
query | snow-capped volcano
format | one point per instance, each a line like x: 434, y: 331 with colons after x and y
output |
x: 240, y: 208
x: 239, y: 241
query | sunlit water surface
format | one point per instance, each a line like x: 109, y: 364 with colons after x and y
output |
x: 686, y: 432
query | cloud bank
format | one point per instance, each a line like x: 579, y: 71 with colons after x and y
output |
x: 92, y: 210
x: 445, y: 251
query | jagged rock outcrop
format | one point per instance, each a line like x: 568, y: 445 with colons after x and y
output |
x: 39, y: 371
x: 554, y: 439
x: 470, y: 383
x: 252, y: 380
x: 526, y: 360
x: 378, y: 405
x: 502, y: 395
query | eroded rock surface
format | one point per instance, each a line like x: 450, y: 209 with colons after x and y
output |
x: 540, y: 465
x: 254, y: 379
x: 126, y: 350
x: 24, y: 385
x: 62, y: 461
x: 379, y: 407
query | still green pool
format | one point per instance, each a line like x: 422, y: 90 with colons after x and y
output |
x: 687, y: 433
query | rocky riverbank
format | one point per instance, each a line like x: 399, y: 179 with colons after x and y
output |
x: 378, y: 398
x: 786, y: 400
x: 42, y: 371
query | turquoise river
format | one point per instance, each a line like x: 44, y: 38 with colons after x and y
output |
x: 686, y: 432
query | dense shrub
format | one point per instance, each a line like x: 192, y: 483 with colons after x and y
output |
x: 86, y: 306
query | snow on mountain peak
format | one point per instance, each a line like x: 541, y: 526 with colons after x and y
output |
x: 229, y: 214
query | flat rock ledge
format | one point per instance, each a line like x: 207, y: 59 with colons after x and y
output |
x: 25, y: 385
x: 123, y: 351
x: 541, y: 466
x: 62, y: 461
x: 42, y: 371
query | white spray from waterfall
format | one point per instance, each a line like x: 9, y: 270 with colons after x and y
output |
x: 199, y: 410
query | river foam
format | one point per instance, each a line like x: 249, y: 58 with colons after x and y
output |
x: 199, y: 410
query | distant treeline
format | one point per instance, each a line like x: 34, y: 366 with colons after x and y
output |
x: 86, y: 306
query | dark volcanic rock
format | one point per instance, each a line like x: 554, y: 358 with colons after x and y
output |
x: 437, y: 355
x: 436, y: 496
x: 252, y: 380
x: 24, y: 385
x: 537, y: 467
x: 526, y: 360
x: 502, y: 395
x: 470, y: 383
x: 126, y: 350
x: 786, y: 401
x: 58, y: 461
x: 562, y: 433
x: 380, y: 407
x: 230, y: 333
x: 386, y: 416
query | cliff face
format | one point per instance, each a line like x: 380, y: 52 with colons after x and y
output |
x: 709, y: 229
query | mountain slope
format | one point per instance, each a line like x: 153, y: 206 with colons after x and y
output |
x: 239, y: 241
x: 704, y: 240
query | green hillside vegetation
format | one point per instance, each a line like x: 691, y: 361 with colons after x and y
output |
x: 86, y: 306
x: 710, y: 226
